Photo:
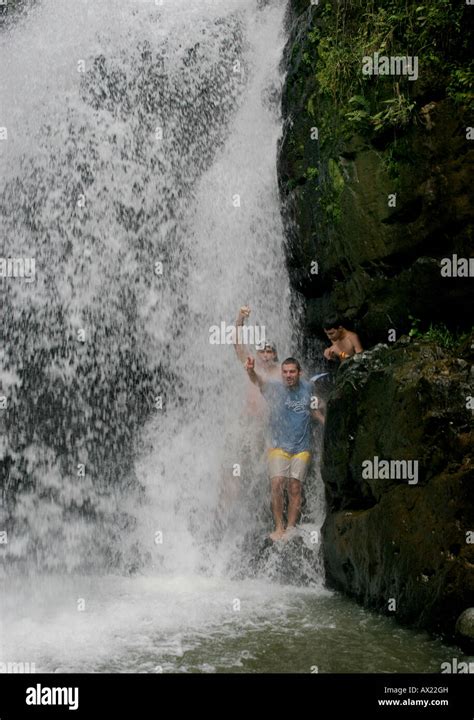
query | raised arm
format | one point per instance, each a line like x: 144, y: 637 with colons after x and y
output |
x: 253, y: 376
x: 241, y: 350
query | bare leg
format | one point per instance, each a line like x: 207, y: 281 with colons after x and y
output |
x: 278, y: 487
x: 294, y: 502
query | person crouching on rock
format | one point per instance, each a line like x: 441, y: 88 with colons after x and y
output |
x: 345, y: 343
x: 289, y: 401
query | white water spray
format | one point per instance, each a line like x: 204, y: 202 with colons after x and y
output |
x: 140, y: 173
x: 141, y: 134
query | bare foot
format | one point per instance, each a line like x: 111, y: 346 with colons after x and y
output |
x: 277, y: 535
x: 289, y: 533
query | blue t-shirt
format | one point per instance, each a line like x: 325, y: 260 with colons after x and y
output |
x: 290, y: 415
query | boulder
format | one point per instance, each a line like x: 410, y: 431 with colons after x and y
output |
x: 400, y: 546
x: 465, y: 630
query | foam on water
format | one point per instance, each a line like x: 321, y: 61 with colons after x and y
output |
x: 144, y: 624
x: 196, y: 624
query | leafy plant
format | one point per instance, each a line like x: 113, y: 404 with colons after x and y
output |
x: 438, y: 334
x: 343, y: 102
x: 398, y: 113
x: 312, y: 173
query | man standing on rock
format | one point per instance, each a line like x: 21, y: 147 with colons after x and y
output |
x: 289, y: 455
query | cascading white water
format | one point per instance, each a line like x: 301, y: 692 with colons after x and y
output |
x: 137, y: 160
x: 145, y: 133
x: 132, y: 127
x: 236, y: 256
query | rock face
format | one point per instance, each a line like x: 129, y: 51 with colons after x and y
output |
x: 374, y: 179
x: 377, y: 202
x: 465, y: 630
x: 410, y: 538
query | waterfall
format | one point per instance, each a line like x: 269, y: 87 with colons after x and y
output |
x: 140, y: 175
x: 138, y: 143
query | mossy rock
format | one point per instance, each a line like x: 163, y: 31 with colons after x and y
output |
x: 386, y: 538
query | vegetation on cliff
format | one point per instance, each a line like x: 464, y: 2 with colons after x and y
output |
x: 349, y: 102
x: 374, y: 169
x: 375, y: 175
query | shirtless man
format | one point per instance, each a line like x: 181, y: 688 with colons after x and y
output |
x: 266, y: 362
x: 345, y: 343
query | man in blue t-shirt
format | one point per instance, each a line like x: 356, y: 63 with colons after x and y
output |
x: 290, y: 404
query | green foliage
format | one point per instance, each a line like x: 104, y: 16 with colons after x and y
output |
x: 397, y: 113
x: 312, y: 173
x: 343, y: 32
x: 359, y: 116
x: 351, y: 30
x: 461, y: 86
x: 336, y: 176
x: 331, y: 209
x: 438, y: 334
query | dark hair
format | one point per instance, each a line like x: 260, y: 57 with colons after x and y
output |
x: 292, y: 361
x: 332, y: 321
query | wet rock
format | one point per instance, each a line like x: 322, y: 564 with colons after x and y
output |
x: 294, y: 562
x: 387, y: 542
x: 396, y: 545
x: 465, y: 630
x: 378, y: 265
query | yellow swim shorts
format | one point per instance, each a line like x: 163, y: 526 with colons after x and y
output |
x: 284, y: 464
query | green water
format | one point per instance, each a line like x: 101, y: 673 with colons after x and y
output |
x: 324, y: 635
x: 196, y: 624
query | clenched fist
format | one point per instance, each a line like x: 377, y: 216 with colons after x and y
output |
x: 244, y: 313
x: 250, y: 364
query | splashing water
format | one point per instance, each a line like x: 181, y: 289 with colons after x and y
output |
x: 139, y: 171
x: 140, y: 176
